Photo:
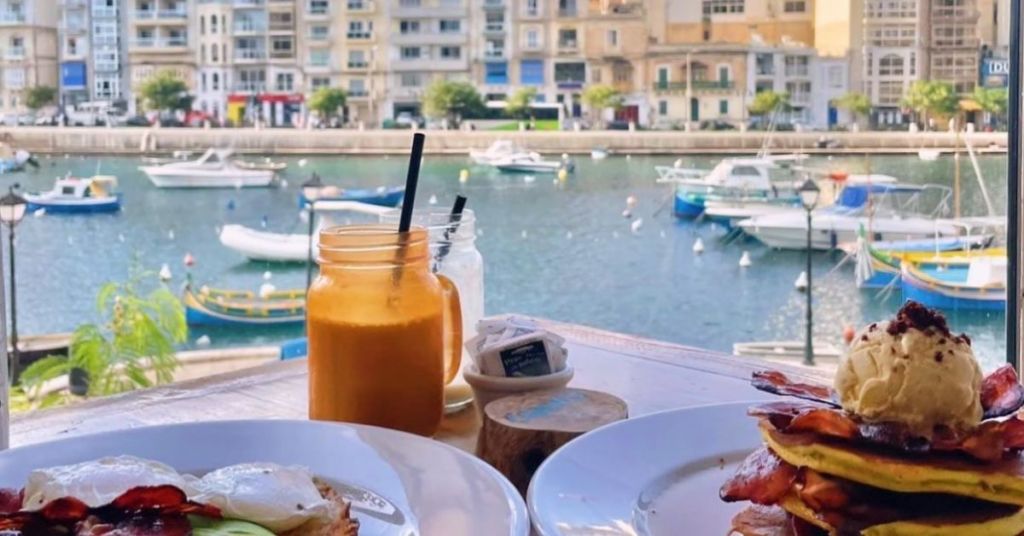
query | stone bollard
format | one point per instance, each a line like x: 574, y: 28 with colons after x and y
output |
x: 632, y: 126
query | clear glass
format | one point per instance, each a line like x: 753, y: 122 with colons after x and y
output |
x: 384, y: 332
x: 454, y: 255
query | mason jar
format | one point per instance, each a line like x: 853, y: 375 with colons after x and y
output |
x: 454, y: 255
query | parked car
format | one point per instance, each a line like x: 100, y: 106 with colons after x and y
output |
x: 47, y: 120
x: 19, y: 120
x: 407, y: 120
x: 135, y: 121
x: 716, y: 124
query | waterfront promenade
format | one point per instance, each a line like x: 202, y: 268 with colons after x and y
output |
x: 133, y: 141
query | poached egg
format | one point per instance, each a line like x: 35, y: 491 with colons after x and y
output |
x: 96, y: 482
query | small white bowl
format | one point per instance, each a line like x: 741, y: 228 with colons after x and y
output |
x: 489, y: 388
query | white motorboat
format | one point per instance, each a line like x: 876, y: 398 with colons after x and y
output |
x: 731, y: 178
x: 215, y: 169
x: 533, y: 163
x: 73, y: 195
x: 598, y: 153
x: 887, y: 211
x: 499, y: 150
x: 929, y: 155
x: 826, y: 356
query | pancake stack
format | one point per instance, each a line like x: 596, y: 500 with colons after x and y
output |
x: 835, y: 464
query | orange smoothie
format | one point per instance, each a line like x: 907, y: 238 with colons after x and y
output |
x: 389, y: 375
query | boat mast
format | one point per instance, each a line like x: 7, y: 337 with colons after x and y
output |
x: 956, y: 170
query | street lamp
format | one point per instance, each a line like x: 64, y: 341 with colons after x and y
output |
x: 12, y: 211
x: 809, y: 193
x: 311, y: 192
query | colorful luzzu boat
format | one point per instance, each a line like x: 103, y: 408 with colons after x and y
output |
x: 881, y: 263
x: 213, y: 307
x: 979, y: 283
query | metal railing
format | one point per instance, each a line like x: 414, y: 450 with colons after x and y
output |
x: 249, y: 27
x: 359, y: 35
x: 358, y: 93
x: 248, y: 3
x: 12, y: 17
x: 698, y: 85
x: 250, y: 54
x: 104, y: 12
x: 15, y: 53
x: 172, y: 14
x: 358, y: 64
x: 494, y: 54
x: 494, y: 27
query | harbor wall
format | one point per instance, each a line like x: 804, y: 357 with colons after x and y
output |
x: 135, y: 141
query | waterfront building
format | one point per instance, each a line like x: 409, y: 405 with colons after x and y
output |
x: 159, y: 40
x: 697, y: 84
x: 954, y: 44
x: 28, y: 40
x: 92, y: 51
x: 74, y: 50
x: 771, y: 22
x: 615, y: 47
x: 214, y: 28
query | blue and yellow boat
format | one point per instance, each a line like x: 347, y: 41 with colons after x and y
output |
x: 216, y: 307
x: 881, y: 260
x: 974, y: 283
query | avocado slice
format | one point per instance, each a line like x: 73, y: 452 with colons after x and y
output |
x: 204, y: 526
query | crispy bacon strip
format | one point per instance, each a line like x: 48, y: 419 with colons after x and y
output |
x: 773, y: 381
x: 757, y: 520
x: 987, y: 442
x: 1001, y: 392
x: 763, y: 478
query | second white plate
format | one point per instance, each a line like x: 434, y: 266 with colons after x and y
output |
x: 653, y: 475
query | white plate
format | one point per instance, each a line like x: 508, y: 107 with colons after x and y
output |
x: 400, y: 484
x: 653, y: 475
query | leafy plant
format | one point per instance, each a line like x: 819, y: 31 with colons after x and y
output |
x: 326, y: 101
x: 164, y: 91
x: 858, y: 104
x: 518, y: 105
x: 132, y: 347
x: 768, y: 102
x: 931, y: 99
x: 452, y: 101
x: 601, y: 97
x: 994, y: 100
x: 39, y: 96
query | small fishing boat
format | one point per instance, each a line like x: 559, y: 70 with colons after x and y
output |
x: 214, y: 169
x: 498, y: 150
x: 266, y: 165
x: 878, y: 263
x: 176, y: 156
x: 213, y: 307
x: 534, y: 163
x: 259, y: 245
x: 929, y: 155
x: 383, y: 196
x: 14, y: 160
x: 730, y: 210
x: 731, y: 178
x: 979, y: 283
x: 77, y: 195
x: 598, y: 153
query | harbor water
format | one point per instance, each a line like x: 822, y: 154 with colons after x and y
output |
x: 557, y: 249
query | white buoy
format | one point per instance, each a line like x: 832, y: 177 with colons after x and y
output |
x: 636, y: 225
x: 698, y: 244
x: 39, y: 212
x: 529, y: 178
x: 165, y: 273
x: 120, y: 237
x: 203, y: 341
x: 303, y: 216
x: 568, y: 235
x: 565, y: 156
x: 801, y: 282
x: 629, y: 157
x: 170, y: 234
x: 745, y: 259
x: 523, y: 234
x: 266, y: 289
x: 563, y: 174
x: 678, y: 163
x: 631, y: 202
x: 661, y: 233
x: 238, y: 184
x: 284, y: 183
x: 463, y: 176
x: 627, y: 214
x: 432, y: 200
x: 302, y: 162
x: 267, y: 275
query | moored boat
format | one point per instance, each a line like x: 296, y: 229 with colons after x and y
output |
x: 498, y: 150
x: 213, y: 307
x: 789, y: 352
x: 15, y: 160
x: 383, y: 196
x: 878, y: 263
x: 214, y: 169
x: 731, y: 178
x: 533, y: 163
x: 266, y: 246
x: 77, y: 195
x: 979, y: 283
x: 267, y: 165
x: 598, y: 153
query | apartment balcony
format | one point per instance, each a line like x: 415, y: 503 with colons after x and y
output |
x: 76, y: 27
x: 12, y: 17
x: 494, y: 29
x: 104, y: 40
x: 959, y: 43
x: 799, y: 98
x: 494, y: 5
x: 172, y: 16
x: 699, y: 86
x: 421, y: 11
x: 967, y: 15
x: 318, y: 15
x: 248, y: 55
x: 249, y: 28
x: 247, y: 4
x: 568, y: 12
x: 359, y: 36
x: 797, y: 72
x: 14, y: 54
x: 429, y: 38
x: 250, y: 87
x: 282, y: 56
x: 106, y: 66
x: 73, y: 4
x: 357, y: 93
x: 429, y: 64
x: 151, y: 44
x: 358, y: 65
x: 568, y: 47
x: 494, y: 54
x: 104, y: 12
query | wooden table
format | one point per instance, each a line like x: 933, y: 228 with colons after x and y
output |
x: 649, y: 375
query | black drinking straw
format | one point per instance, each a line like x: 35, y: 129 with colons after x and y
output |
x: 411, y: 180
x: 453, y: 228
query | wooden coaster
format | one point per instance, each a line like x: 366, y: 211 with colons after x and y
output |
x: 519, y: 432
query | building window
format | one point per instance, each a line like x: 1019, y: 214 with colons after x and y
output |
x: 532, y: 8
x: 410, y: 53
x: 319, y: 33
x: 357, y: 87
x: 320, y: 82
x: 72, y: 46
x: 358, y: 29
x: 532, y: 39
x: 319, y: 57
x: 890, y: 92
x: 202, y: 82
x: 613, y: 38
x: 712, y: 7
x: 662, y: 107
x: 570, y: 74
x: 890, y: 65
x: 285, y: 81
x: 215, y: 79
x: 496, y: 72
x: 357, y: 59
x: 723, y: 107
x: 202, y: 25
x: 318, y: 7
x: 797, y: 65
x: 282, y: 47
x: 567, y: 38
x: 14, y: 78
x: 450, y: 26
x: 723, y: 74
x: 531, y: 72
x: 213, y: 24
x: 410, y: 80
x: 409, y: 26
x: 213, y: 54
x: 202, y: 53
x: 795, y: 6
x: 451, y: 53
x: 835, y: 76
